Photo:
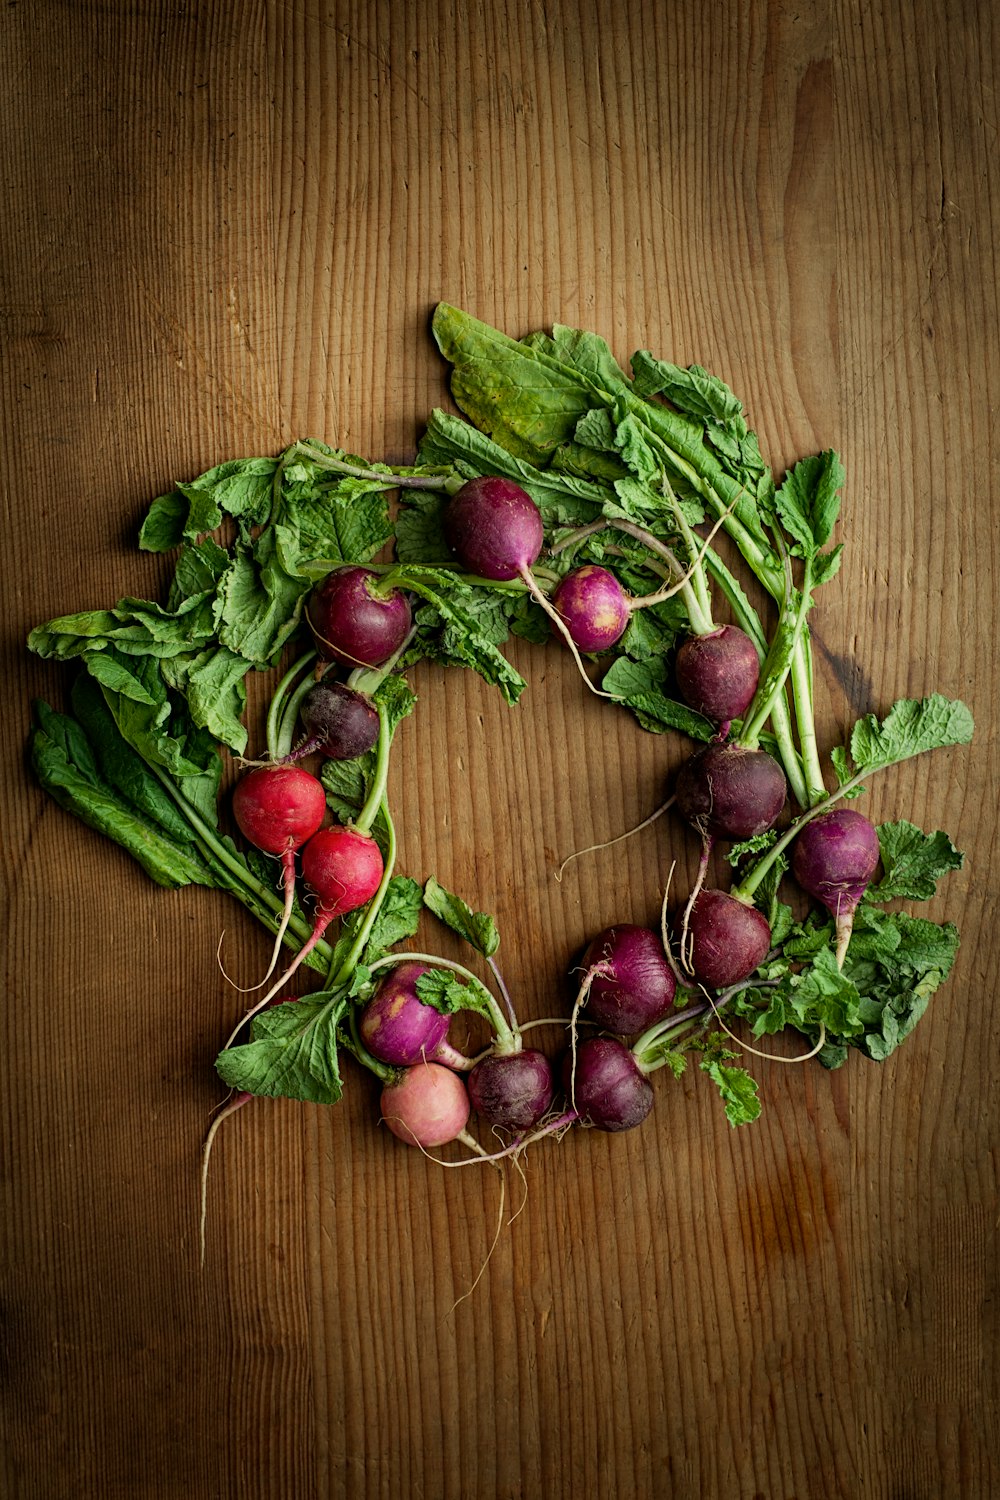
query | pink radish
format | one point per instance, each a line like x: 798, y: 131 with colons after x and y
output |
x: 428, y: 1106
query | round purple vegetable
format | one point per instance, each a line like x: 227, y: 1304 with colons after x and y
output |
x: 593, y: 606
x: 729, y: 791
x: 512, y: 1090
x: 494, y: 528
x: 356, y: 622
x: 834, y: 858
x: 717, y: 673
x: 339, y: 722
x: 608, y: 1089
x: 399, y: 1028
x: 640, y: 986
x: 726, y: 939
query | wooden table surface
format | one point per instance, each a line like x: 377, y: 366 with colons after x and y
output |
x: 226, y: 225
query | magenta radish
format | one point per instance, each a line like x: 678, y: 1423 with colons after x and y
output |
x: 605, y: 1085
x: 730, y: 791
x: 513, y: 1090
x: 277, y: 809
x: 723, y: 939
x: 834, y: 858
x: 356, y: 622
x: 398, y: 1027
x: 637, y: 987
x: 428, y: 1106
x: 494, y: 528
x: 717, y: 673
x: 593, y: 606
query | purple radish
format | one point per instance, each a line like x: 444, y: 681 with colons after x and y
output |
x: 277, y: 809
x: 512, y: 1090
x: 354, y: 621
x: 339, y: 722
x: 717, y: 673
x: 834, y: 858
x: 398, y: 1027
x: 607, y: 1088
x: 730, y: 791
x: 494, y: 528
x: 428, y: 1106
x: 724, y: 941
x: 593, y: 607
x: 638, y: 986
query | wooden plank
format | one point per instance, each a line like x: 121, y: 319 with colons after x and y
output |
x: 227, y: 227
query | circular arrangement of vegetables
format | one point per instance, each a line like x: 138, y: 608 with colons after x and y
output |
x: 571, y: 500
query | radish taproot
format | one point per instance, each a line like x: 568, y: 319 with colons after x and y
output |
x: 605, y: 1085
x: 723, y: 939
x: 631, y: 984
x: 513, y: 1090
x: 730, y: 791
x: 340, y: 723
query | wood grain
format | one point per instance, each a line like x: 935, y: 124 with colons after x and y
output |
x: 226, y: 226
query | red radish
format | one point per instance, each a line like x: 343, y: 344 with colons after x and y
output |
x: 724, y: 939
x: 344, y: 867
x: 278, y: 808
x: 428, y: 1106
x: 512, y: 1090
x: 730, y: 791
x: 717, y: 673
x: 355, y: 621
x: 834, y: 858
x: 606, y: 1086
x: 398, y: 1027
x: 637, y: 987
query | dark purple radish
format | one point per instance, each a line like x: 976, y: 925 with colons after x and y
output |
x: 277, y: 809
x: 340, y: 723
x: 512, y: 1090
x: 494, y: 528
x: 606, y: 1087
x: 637, y: 987
x: 593, y: 606
x: 730, y: 792
x: 398, y: 1027
x: 428, y: 1106
x: 344, y: 868
x: 834, y: 859
x: 723, y: 939
x: 717, y: 673
x: 356, y: 622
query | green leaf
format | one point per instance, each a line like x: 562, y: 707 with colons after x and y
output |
x: 65, y: 766
x: 737, y: 1088
x: 911, y: 727
x: 692, y: 391
x: 808, y: 503
x: 912, y: 862
x: 639, y: 686
x: 398, y: 918
x: 213, y: 682
x: 476, y: 927
x: 458, y: 626
x: 292, y: 1053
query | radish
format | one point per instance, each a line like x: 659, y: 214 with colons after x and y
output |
x: 512, y: 1091
x: 606, y: 1085
x: 730, y: 791
x: 593, y: 606
x: 834, y: 858
x: 398, y: 1027
x: 340, y: 722
x: 278, y: 808
x: 354, y: 621
x: 723, y: 939
x: 717, y: 672
x: 428, y: 1106
x: 637, y: 986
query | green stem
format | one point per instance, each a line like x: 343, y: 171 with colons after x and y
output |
x: 805, y: 718
x: 450, y: 482
x: 274, y: 712
x: 380, y: 776
x: 289, y: 718
x: 774, y: 674
x: 744, y: 891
